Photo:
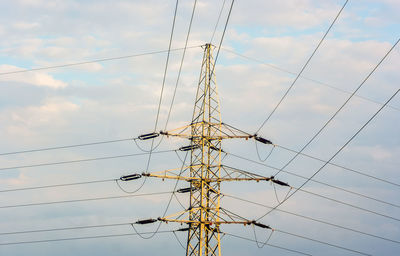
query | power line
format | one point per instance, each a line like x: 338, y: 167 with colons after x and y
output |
x: 95, y: 61
x: 108, y: 225
x: 262, y: 243
x: 179, y: 241
x: 327, y: 162
x: 307, y: 78
x: 80, y: 238
x: 337, y: 165
x: 81, y: 160
x: 166, y: 67
x: 216, y: 24
x: 321, y: 160
x: 344, y: 203
x: 277, y: 145
x: 303, y: 68
x: 272, y: 245
x: 64, y: 228
x: 159, y: 105
x: 220, y: 42
x: 82, y: 200
x: 268, y: 155
x: 363, y: 173
x: 316, y: 181
x: 144, y: 233
x: 160, y: 100
x: 314, y: 219
x: 286, y: 148
x: 341, y: 107
x: 57, y: 185
x: 355, y: 193
x: 334, y: 155
x: 172, y: 101
x: 66, y: 146
x: 247, y: 159
x: 307, y: 238
x: 65, y: 185
x: 169, y: 202
x: 181, y: 65
x: 222, y: 38
x: 322, y: 242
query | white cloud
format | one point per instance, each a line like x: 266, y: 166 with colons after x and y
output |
x: 28, y: 123
x: 40, y: 79
x: 26, y: 48
x: 49, y: 113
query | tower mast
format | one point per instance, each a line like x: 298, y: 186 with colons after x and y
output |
x: 205, y: 172
x: 203, y: 235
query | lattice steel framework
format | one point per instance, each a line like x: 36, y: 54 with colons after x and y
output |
x: 206, y: 172
x: 203, y: 236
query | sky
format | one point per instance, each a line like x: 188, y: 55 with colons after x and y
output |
x: 265, y: 46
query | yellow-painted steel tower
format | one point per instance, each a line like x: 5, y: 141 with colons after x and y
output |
x: 206, y: 172
x: 203, y: 235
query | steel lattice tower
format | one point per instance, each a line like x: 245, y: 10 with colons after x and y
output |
x: 204, y: 236
x: 205, y: 172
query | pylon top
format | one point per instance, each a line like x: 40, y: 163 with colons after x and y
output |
x: 208, y: 45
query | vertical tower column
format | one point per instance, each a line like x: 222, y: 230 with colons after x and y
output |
x: 205, y: 133
x: 203, y: 236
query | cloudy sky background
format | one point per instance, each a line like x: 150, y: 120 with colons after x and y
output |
x: 118, y: 99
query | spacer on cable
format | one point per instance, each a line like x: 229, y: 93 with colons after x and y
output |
x: 130, y: 177
x: 148, y: 136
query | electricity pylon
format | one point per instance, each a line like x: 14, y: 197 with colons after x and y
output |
x: 205, y: 165
x: 205, y: 172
